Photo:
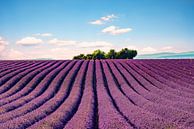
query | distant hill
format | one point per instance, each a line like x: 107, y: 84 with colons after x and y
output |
x: 167, y: 55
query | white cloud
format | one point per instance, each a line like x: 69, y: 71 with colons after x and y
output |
x: 53, y: 53
x: 29, y: 41
x: 80, y: 44
x: 113, y: 30
x: 2, y: 41
x: 68, y: 53
x: 96, y: 44
x: 44, y: 34
x: 167, y: 48
x: 108, y: 18
x: 103, y: 20
x: 14, y: 54
x: 3, y: 44
x: 11, y: 54
x: 62, y: 42
x: 149, y: 50
x: 7, y: 53
x: 61, y: 51
x: 132, y: 47
x: 97, y: 22
x: 2, y: 47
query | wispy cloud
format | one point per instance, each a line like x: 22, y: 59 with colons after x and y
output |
x: 58, y: 51
x: 144, y: 50
x: 103, y: 20
x: 167, y: 48
x: 3, y: 43
x: 80, y: 44
x: 43, y: 34
x: 94, y: 44
x: 132, y: 47
x: 13, y: 54
x: 114, y: 30
x: 62, y: 42
x: 97, y: 22
x: 29, y: 41
x: 6, y: 53
x: 149, y: 50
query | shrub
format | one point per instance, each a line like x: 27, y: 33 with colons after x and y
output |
x: 112, y: 54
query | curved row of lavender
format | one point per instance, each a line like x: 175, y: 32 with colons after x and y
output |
x: 104, y: 94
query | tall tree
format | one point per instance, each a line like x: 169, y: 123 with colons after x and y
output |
x: 89, y: 56
x: 79, y: 57
x: 111, y: 54
x: 98, y: 54
x: 126, y: 54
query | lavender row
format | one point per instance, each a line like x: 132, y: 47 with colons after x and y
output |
x: 14, y: 64
x: 42, y: 106
x: 44, y: 89
x: 85, y: 115
x: 173, y: 82
x: 7, y: 67
x: 13, y: 69
x: 174, y: 74
x: 185, y: 73
x: 9, y: 84
x: 151, y: 95
x: 34, y: 84
x: 97, y: 94
x: 108, y: 113
x: 182, y: 70
x: 24, y: 80
x: 9, y: 64
x: 165, y: 84
x: 156, y: 85
x: 11, y: 75
x: 165, y: 111
x: 69, y: 104
x: 138, y: 116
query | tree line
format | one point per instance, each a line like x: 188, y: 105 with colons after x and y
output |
x: 124, y: 53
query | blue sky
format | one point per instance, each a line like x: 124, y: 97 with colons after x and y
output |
x: 63, y: 28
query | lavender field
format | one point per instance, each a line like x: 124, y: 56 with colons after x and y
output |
x: 106, y: 94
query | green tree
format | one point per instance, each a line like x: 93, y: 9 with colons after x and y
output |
x: 126, y: 54
x: 98, y: 54
x: 79, y: 57
x: 89, y: 56
x: 133, y: 53
x: 111, y: 54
